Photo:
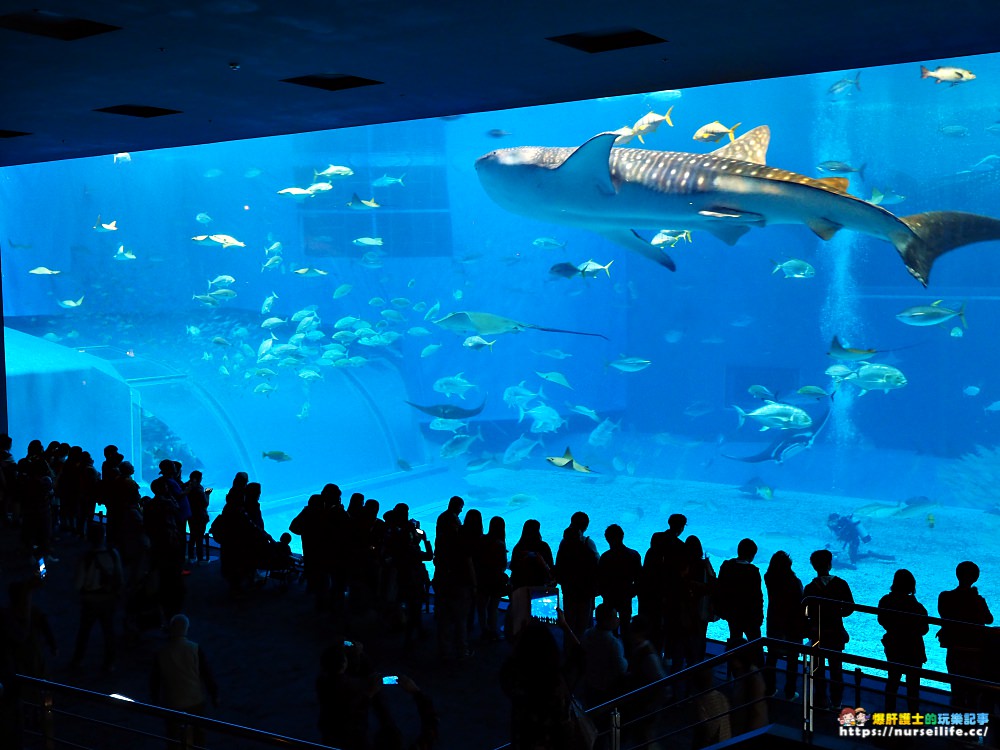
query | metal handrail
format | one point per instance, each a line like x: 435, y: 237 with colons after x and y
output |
x: 611, y: 706
x: 130, y: 707
x: 868, y: 609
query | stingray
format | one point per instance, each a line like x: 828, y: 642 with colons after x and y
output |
x: 787, y: 445
x: 488, y: 324
x: 449, y: 411
x: 566, y: 461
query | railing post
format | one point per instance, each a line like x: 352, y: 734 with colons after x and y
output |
x: 187, y: 739
x: 808, y: 685
x: 616, y: 729
x: 47, y: 719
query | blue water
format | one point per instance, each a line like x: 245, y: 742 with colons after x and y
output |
x: 142, y: 363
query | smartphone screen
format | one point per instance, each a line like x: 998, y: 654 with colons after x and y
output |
x: 41, y: 567
x: 544, y: 607
x: 390, y: 680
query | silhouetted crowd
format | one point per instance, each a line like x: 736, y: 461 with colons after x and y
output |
x: 364, y: 567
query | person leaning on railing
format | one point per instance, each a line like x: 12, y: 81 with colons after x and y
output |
x: 904, y: 638
x: 965, y: 646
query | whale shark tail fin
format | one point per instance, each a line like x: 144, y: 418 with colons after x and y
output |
x: 934, y: 233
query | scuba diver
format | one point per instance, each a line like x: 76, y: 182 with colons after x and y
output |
x: 848, y: 531
x: 851, y: 534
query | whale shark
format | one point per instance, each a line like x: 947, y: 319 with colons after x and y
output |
x: 617, y: 191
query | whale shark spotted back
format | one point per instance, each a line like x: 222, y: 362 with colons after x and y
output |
x: 616, y: 191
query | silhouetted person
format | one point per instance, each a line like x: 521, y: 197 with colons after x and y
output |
x: 698, y: 610
x: 235, y: 536
x: 711, y: 710
x: 619, y: 573
x: 407, y: 549
x: 10, y: 506
x: 826, y: 625
x: 531, y: 560
x: 661, y: 582
x: 533, y: 679
x: 88, y: 487
x: 132, y: 543
x: 11, y: 710
x: 366, y: 571
x: 161, y: 518
x: 904, y: 638
x: 389, y: 736
x: 99, y: 581
x: 964, y: 645
x: 238, y: 488
x: 576, y: 571
x: 491, y: 576
x: 335, y: 548
x: 454, y: 582
x: 181, y: 678
x: 473, y: 535
x: 747, y: 694
x: 251, y: 504
x: 604, y: 665
x: 343, y: 701
x: 32, y: 625
x: 785, y: 621
x: 645, y: 666
x: 531, y: 566
x: 198, y: 500
x: 36, y: 482
x: 309, y: 525
x: 108, y: 490
x: 739, y: 595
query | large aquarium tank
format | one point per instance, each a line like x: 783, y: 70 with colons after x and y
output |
x: 375, y: 307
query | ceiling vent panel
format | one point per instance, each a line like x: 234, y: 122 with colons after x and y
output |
x: 332, y: 81
x: 12, y: 133
x: 138, y: 110
x: 607, y: 40
x: 54, y: 25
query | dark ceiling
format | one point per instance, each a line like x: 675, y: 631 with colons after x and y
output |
x: 222, y: 68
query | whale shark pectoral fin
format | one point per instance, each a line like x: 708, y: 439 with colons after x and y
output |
x: 630, y: 240
x: 590, y: 164
x: 731, y: 226
x: 823, y: 228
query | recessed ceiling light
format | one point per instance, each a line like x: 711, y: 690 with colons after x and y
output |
x: 54, y: 25
x: 607, y: 40
x: 138, y: 110
x: 332, y: 81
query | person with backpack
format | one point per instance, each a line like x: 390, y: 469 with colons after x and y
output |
x: 99, y: 581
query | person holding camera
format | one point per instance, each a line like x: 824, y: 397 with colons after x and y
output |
x: 407, y: 549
